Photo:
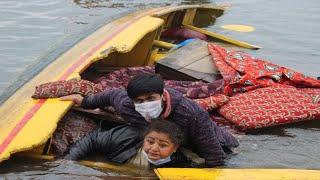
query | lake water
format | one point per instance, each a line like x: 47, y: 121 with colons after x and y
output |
x: 32, y: 31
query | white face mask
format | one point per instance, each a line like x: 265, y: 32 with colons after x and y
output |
x: 156, y: 162
x: 149, y: 110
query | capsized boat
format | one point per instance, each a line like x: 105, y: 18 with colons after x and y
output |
x: 26, y: 124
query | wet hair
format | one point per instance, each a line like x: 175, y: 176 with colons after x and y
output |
x: 167, y: 127
x: 144, y: 84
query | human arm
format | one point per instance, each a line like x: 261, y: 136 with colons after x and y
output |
x: 105, y: 98
x: 204, y: 137
x: 99, y: 100
x: 95, y: 141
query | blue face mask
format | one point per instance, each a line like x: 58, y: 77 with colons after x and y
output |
x: 157, y: 162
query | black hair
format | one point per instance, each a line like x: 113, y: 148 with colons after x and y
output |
x: 167, y: 127
x: 144, y: 84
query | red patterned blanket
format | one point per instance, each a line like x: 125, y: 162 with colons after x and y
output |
x: 270, y: 106
x: 243, y: 73
x: 264, y: 94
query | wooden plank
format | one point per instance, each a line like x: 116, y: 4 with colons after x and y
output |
x: 186, y: 55
x: 169, y: 73
x: 223, y: 38
x: 192, y: 62
x: 204, y: 65
x: 189, y: 16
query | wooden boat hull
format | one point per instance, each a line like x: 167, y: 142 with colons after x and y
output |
x: 26, y: 123
x: 240, y: 174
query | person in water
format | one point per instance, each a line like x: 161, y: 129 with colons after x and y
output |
x: 146, y: 98
x: 159, y: 146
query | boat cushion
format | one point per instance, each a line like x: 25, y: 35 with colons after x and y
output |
x: 64, y: 88
x: 271, y: 106
x: 212, y: 102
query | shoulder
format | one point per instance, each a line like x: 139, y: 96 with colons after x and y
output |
x: 188, y: 106
x: 119, y: 96
x: 125, y: 132
x: 121, y: 92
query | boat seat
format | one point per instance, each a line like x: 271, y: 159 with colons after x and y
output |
x: 191, y: 62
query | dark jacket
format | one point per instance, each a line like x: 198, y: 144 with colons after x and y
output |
x: 203, y: 136
x: 119, y: 144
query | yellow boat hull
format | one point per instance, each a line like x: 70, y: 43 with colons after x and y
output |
x: 239, y: 174
x: 128, y: 41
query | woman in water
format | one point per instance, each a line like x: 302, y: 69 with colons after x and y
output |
x: 159, y: 146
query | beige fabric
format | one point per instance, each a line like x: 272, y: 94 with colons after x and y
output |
x: 139, y: 160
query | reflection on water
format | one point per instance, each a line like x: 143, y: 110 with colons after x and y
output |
x: 286, y: 146
x: 62, y: 169
x: 296, y: 148
x: 134, y: 4
x: 27, y: 169
x: 195, y: 2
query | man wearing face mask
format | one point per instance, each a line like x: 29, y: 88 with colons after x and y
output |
x: 146, y: 98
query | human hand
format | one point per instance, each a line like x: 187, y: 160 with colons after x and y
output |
x: 76, y: 98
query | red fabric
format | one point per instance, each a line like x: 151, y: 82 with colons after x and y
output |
x: 120, y: 79
x: 212, y: 102
x: 184, y: 33
x: 64, y: 88
x: 270, y: 106
x: 312, y: 92
x: 243, y: 72
x: 190, y: 89
x: 71, y: 128
x: 198, y: 89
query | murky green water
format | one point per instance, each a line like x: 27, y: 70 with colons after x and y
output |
x: 33, y: 32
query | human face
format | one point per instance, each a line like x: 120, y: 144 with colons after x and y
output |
x: 158, y: 145
x: 147, y: 98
